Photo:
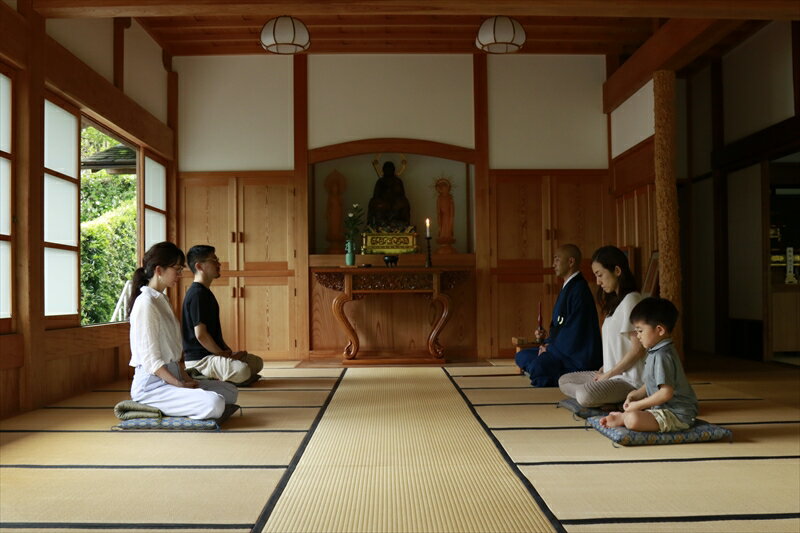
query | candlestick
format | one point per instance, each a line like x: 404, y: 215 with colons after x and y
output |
x: 427, y: 228
x: 428, y: 262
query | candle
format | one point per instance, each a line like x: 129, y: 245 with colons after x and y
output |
x: 428, y: 228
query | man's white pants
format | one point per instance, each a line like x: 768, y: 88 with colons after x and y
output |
x: 227, y: 369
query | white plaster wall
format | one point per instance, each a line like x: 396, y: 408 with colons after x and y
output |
x: 418, y: 180
x: 700, y: 110
x: 145, y: 77
x: 757, y: 76
x: 633, y: 121
x: 90, y: 40
x: 744, y: 243
x: 547, y: 112
x: 353, y: 97
x: 235, y: 112
x: 702, y: 267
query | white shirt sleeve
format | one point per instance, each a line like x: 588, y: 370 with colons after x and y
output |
x: 145, y: 335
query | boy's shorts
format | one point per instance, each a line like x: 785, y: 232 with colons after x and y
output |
x: 667, y: 421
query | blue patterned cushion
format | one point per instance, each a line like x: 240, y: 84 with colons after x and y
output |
x: 167, y: 422
x: 577, y: 409
x: 702, y: 431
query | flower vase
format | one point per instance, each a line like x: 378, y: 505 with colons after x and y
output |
x: 350, y: 254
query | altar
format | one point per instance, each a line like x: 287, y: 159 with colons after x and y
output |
x: 355, y: 283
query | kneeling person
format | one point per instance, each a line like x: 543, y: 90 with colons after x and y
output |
x: 204, y: 348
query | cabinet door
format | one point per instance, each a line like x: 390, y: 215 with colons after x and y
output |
x: 519, y: 217
x: 225, y: 291
x: 785, y: 317
x: 264, y: 317
x: 208, y: 216
x: 265, y: 224
x: 517, y: 308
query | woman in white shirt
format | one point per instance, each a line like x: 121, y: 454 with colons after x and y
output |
x: 623, y: 354
x: 156, y: 346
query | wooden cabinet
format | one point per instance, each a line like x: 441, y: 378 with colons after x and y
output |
x: 785, y: 319
x: 533, y: 213
x: 249, y: 219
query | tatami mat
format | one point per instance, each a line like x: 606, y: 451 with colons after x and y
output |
x: 683, y: 489
x: 279, y: 383
x: 517, y: 396
x: 521, y: 416
x: 403, y: 443
x: 706, y: 526
x: 149, y: 448
x: 515, y: 381
x: 503, y: 362
x: 143, y: 496
x: 458, y: 371
x: 304, y: 373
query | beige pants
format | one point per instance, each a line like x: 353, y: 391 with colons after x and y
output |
x: 227, y: 369
x: 590, y: 393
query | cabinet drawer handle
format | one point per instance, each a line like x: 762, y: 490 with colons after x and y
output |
x: 241, y: 292
x: 233, y: 236
x: 241, y: 236
x: 233, y: 292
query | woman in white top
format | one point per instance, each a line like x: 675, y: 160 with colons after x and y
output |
x: 623, y: 354
x: 156, y: 346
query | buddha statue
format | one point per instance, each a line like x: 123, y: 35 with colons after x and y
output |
x: 389, y: 209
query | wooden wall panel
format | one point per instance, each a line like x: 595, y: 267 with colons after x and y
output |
x: 9, y: 392
x: 264, y: 307
x: 207, y: 214
x: 634, y: 167
x: 264, y: 214
x: 397, y: 324
x: 68, y: 376
x: 75, y: 342
x: 519, y: 218
x: 517, y: 309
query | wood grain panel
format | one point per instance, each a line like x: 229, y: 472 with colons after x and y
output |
x: 785, y: 312
x: 519, y: 218
x: 634, y: 167
x: 264, y: 316
x: 264, y: 223
x: 75, y: 342
x: 67, y: 377
x: 580, y: 205
x: 11, y: 351
x: 208, y: 208
x: 9, y: 392
x: 518, y: 309
x: 14, y: 29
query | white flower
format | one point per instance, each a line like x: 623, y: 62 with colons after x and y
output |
x: 350, y: 215
x: 355, y: 205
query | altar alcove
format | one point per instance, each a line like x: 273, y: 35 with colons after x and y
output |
x: 352, y: 179
x: 392, y: 325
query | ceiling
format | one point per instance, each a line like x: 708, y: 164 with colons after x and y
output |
x: 614, y: 28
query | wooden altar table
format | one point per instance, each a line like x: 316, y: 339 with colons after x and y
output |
x: 356, y: 282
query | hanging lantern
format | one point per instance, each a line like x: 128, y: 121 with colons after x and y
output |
x: 500, y: 35
x: 285, y: 35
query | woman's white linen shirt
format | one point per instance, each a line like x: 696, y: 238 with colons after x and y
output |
x: 616, y: 339
x: 155, y: 332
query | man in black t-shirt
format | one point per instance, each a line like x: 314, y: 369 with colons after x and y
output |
x: 204, y: 348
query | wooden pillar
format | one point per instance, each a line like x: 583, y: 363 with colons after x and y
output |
x: 301, y: 343
x: 29, y: 226
x: 667, y: 225
x: 486, y: 345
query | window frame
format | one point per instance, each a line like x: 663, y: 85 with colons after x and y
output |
x: 9, y: 324
x: 68, y: 320
x: 142, y: 205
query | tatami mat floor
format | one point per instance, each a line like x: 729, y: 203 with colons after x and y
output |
x: 63, y: 469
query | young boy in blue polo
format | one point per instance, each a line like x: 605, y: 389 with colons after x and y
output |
x: 666, y: 401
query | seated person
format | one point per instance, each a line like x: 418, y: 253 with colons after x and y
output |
x: 389, y: 209
x: 574, y: 341
x: 623, y: 355
x: 666, y: 401
x: 159, y: 381
x: 204, y: 349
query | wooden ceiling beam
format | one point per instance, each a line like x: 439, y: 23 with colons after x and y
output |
x: 674, y: 46
x: 711, y: 9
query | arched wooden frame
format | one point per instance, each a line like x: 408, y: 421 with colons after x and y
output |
x: 385, y: 145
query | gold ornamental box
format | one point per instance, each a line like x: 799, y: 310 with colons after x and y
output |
x: 389, y: 243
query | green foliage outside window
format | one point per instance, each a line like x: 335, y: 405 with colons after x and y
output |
x: 108, y: 232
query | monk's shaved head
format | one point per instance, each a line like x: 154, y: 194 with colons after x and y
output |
x: 570, y: 250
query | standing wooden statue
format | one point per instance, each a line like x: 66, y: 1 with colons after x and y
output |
x: 445, y: 208
x: 335, y: 184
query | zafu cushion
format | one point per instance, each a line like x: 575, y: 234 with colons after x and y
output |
x: 702, y: 431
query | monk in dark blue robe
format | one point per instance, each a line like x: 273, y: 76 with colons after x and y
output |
x: 574, y: 343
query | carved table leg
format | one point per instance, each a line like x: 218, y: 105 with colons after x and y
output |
x: 351, y: 349
x: 436, y: 349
